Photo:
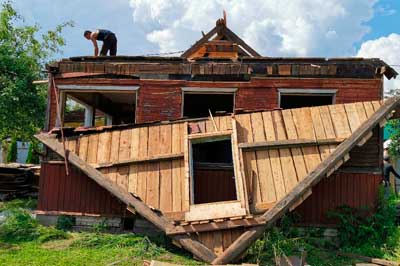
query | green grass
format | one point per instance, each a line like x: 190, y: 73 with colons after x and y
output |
x: 128, y: 249
x: 24, y: 242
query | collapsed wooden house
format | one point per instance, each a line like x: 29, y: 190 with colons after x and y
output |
x: 213, y: 147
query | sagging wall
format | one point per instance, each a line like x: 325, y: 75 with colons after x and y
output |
x: 162, y: 100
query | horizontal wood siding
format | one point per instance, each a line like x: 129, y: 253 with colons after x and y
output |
x: 74, y: 193
x: 355, y: 190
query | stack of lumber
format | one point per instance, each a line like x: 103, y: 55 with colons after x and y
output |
x: 160, y: 263
x: 18, y: 180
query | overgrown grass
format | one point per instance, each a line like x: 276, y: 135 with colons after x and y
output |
x: 25, y: 242
x: 375, y: 235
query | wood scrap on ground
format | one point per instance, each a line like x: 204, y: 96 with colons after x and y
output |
x: 160, y: 263
x: 18, y: 180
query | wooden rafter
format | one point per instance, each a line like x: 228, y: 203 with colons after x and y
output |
x: 301, y: 189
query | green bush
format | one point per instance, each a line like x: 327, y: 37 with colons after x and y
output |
x: 100, y: 227
x: 65, y: 222
x: 20, y: 226
x: 19, y: 204
x: 12, y: 151
x: 33, y: 157
x: 366, y: 233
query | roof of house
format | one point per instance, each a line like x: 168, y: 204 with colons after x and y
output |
x: 319, y: 139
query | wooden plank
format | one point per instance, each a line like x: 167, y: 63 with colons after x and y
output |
x: 83, y: 147
x: 185, y: 177
x: 297, y: 154
x: 339, y: 119
x: 288, y: 167
x: 290, y: 143
x: 104, y: 148
x: 376, y: 105
x: 319, y: 130
x: 305, y: 129
x: 114, y: 153
x: 153, y: 169
x: 210, y: 135
x: 362, y: 116
x: 265, y: 178
x: 218, y: 244
x: 369, y: 109
x: 271, y: 216
x: 245, y: 133
x: 149, y: 159
x: 274, y: 158
x: 165, y: 169
x: 176, y: 147
x: 125, y: 145
x: 142, y: 168
x: 352, y: 116
x: 133, y: 169
x: 92, y: 148
x: 328, y: 125
x: 210, y: 211
x: 157, y: 219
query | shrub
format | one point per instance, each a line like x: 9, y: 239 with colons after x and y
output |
x: 366, y: 233
x: 100, y: 227
x: 20, y: 226
x: 12, y: 151
x: 19, y: 204
x: 65, y: 222
x: 32, y: 157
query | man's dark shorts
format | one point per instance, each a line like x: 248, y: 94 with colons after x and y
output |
x: 109, y: 44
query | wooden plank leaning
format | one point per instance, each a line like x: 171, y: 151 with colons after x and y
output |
x: 272, y: 215
x: 194, y: 246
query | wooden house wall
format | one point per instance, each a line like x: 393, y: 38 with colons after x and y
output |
x: 159, y: 184
x: 357, y: 190
x: 162, y: 100
x: 74, y: 194
x: 271, y: 174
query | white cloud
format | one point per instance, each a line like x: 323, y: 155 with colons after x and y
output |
x: 388, y: 49
x: 273, y: 28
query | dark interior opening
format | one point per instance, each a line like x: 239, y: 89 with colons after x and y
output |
x: 197, y: 105
x: 128, y: 223
x: 213, y: 174
x: 303, y: 100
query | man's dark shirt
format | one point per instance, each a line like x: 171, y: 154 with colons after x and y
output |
x: 387, y: 169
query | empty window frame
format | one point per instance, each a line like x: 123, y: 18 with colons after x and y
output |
x: 212, y: 170
x: 297, y: 98
x: 102, y: 105
x: 198, y: 101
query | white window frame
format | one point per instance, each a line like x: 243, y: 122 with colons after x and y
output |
x: 305, y: 92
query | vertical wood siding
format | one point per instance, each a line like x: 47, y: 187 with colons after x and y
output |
x: 352, y: 189
x: 74, y: 193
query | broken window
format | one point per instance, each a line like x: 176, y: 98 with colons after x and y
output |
x: 98, y: 107
x: 212, y: 171
x: 305, y: 98
x: 198, y: 104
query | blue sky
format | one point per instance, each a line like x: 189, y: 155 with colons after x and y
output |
x: 325, y: 28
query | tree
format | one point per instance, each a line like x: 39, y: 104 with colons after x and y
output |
x: 12, y: 153
x: 23, y: 54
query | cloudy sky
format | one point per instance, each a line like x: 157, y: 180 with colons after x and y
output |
x: 324, y: 28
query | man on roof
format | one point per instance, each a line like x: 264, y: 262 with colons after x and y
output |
x: 107, y: 37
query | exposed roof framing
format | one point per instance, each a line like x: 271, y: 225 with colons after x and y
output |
x: 225, y: 33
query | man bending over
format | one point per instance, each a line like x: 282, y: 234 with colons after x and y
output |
x: 107, y: 37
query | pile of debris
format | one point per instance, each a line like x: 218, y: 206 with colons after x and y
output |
x: 18, y: 181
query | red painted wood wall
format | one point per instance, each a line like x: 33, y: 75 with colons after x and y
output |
x: 355, y: 190
x: 162, y: 100
x: 74, y: 193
